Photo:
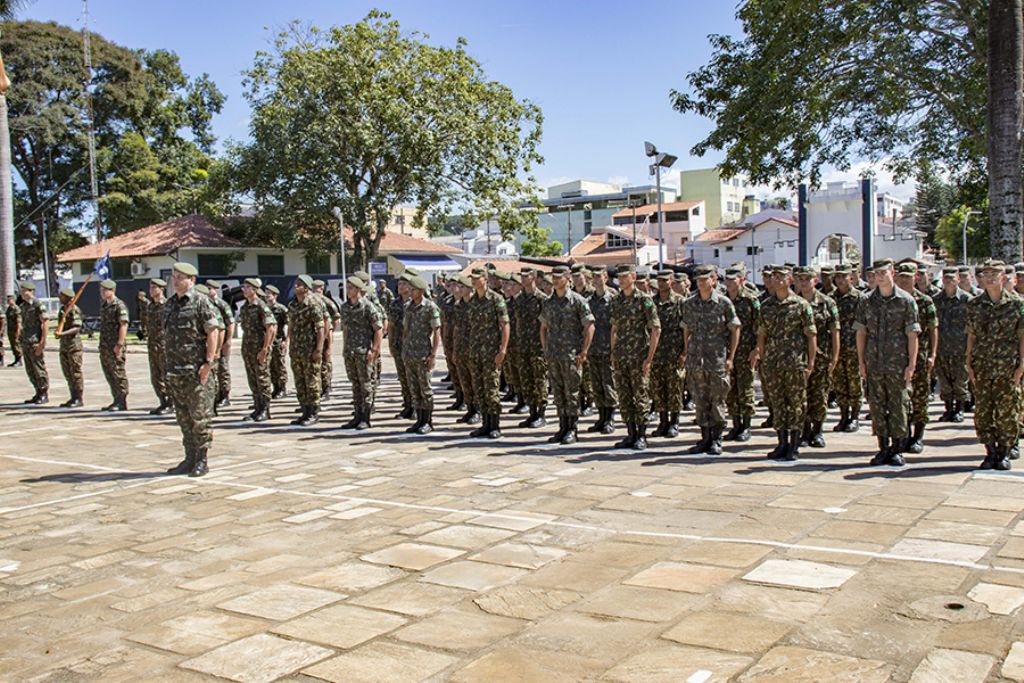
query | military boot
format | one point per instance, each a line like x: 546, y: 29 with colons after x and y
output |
x: 495, y: 428
x: 609, y: 423
x: 672, y: 431
x: 770, y: 422
x: 484, y: 428
x: 199, y: 467
x: 351, y: 424
x: 460, y: 402
x: 715, y: 443
x: 990, y: 454
x: 884, y: 449
x: 915, y: 442
x: 1013, y: 453
x: 641, y: 438
x: 563, y: 426
x: 570, y: 437
x: 586, y: 407
x: 15, y: 364
x: 896, y: 453
x: 312, y: 418
x: 412, y: 429
x: 702, y: 445
x: 783, y: 445
x: 792, y: 451
x: 744, y: 434
x: 520, y: 407
x: 805, y: 434
x: 1001, y: 460
x: 251, y: 417
x: 732, y: 433
x: 540, y: 420
x: 305, y: 413
x: 263, y: 414
x: 67, y: 403
x: 510, y: 394
x: 473, y: 417
x: 427, y: 423
x: 844, y: 419
x: 166, y: 407
x: 364, y: 420
x: 599, y: 424
x: 407, y: 413
x: 75, y: 402
x: 529, y: 418
x: 630, y: 436
x: 817, y: 439
x: 957, y: 415
x: 279, y: 392
x: 687, y: 401
x: 947, y: 415
x: 853, y: 425
x: 185, y: 466
x: 662, y: 425
x: 832, y: 400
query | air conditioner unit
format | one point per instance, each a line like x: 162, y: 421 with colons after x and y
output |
x: 139, y: 269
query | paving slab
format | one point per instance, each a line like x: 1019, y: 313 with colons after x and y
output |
x: 340, y: 626
x: 382, y: 661
x: 257, y: 659
x: 800, y: 574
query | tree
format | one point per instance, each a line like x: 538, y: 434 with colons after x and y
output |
x: 132, y: 92
x: 949, y: 233
x: 933, y: 199
x: 1005, y: 123
x: 824, y: 82
x: 366, y: 117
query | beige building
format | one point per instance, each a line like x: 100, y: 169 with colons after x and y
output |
x: 723, y: 197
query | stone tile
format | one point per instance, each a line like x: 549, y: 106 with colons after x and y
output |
x: 941, y: 530
x: 352, y: 577
x: 997, y: 598
x: 466, y: 536
x: 939, y: 550
x: 642, y: 604
x: 574, y: 576
x: 727, y: 631
x: 799, y: 665
x: 1014, y: 547
x: 257, y: 659
x: 413, y: 598
x: 215, y: 625
x: 476, y: 576
x: 173, y: 640
x: 777, y: 604
x: 382, y: 661
x: 459, y: 630
x: 516, y: 664
x: 800, y: 574
x: 519, y: 555
x: 414, y: 556
x: 341, y: 626
x: 953, y: 666
x: 525, y: 602
x: 675, y: 576
x: 603, y: 640
x: 515, y: 521
x: 1013, y: 665
x: 738, y: 555
x: 280, y: 602
x: 670, y: 662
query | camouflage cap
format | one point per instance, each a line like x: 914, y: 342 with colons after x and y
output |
x: 405, y: 277
x: 362, y: 275
x: 766, y: 268
x: 516, y: 278
x: 213, y: 284
x: 561, y: 271
x: 273, y: 290
x: 781, y: 268
x: 625, y: 268
x: 1008, y: 270
x: 882, y: 264
x: 738, y: 265
x: 598, y: 269
x: 159, y: 282
x: 681, y: 277
x: 319, y: 283
x: 478, y: 272
x: 202, y: 289
x: 963, y: 269
x: 356, y: 282
x: 578, y: 267
x: 305, y: 280
x: 664, y: 274
x: 705, y: 270
x: 68, y: 292
x: 906, y: 269
x: 805, y: 271
x: 548, y: 279
x: 461, y: 280
x: 733, y: 273
x: 843, y: 269
x: 108, y: 284
x: 418, y: 283
x: 527, y: 270
x: 1019, y: 267
x: 922, y: 267
x: 253, y: 282
x: 991, y: 265
x: 950, y: 271
x: 412, y: 271
x: 186, y: 269
x: 828, y: 269
x: 643, y: 276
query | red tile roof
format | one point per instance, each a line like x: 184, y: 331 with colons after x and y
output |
x: 159, y: 239
x: 717, y: 235
x: 653, y: 208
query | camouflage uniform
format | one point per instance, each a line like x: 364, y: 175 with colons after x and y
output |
x: 32, y: 315
x: 458, y: 360
x: 533, y: 368
x: 666, y: 376
x: 330, y: 323
x: 846, y: 377
x: 709, y: 324
x: 305, y: 320
x: 486, y: 316
x: 741, y: 381
x: 153, y: 324
x: 419, y: 322
x: 951, y: 360
x: 396, y: 312
x: 510, y: 367
x: 254, y: 319
x: 112, y: 314
x: 13, y: 317
x: 599, y: 360
x: 633, y: 317
x: 359, y: 321
x: 446, y: 305
x: 566, y: 319
x: 224, y: 362
x: 826, y: 321
x: 372, y: 297
x: 586, y: 388
x: 71, y: 351
x: 278, y: 368
x: 786, y: 324
x: 921, y: 385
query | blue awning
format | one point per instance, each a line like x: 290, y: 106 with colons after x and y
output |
x: 427, y: 261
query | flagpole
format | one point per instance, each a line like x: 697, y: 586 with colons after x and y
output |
x: 74, y: 300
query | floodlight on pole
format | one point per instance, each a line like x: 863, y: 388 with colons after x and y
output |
x: 661, y: 160
x: 341, y: 231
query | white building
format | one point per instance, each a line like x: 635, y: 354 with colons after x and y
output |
x: 682, y: 223
x: 766, y: 240
x: 611, y: 246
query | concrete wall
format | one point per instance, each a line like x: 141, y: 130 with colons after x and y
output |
x: 723, y: 199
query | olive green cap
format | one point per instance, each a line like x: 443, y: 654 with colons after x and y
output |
x: 273, y: 289
x: 805, y: 271
x: 108, y: 284
x: 705, y: 270
x: 906, y: 269
x: 843, y: 269
x: 548, y: 279
x: 305, y: 280
x: 253, y: 282
x: 186, y: 269
x: 881, y: 264
x: 405, y: 277
x: 625, y: 268
x: 68, y: 292
x: 213, y: 284
x: 202, y: 289
x: 828, y: 269
x: 27, y: 285
x: 781, y: 268
x: 1019, y: 267
x: 319, y: 283
x: 733, y: 273
x: 950, y: 271
x: 478, y: 272
x: 418, y: 283
x: 665, y: 274
x: 560, y: 270
x: 991, y: 264
x: 527, y: 270
x: 516, y: 278
x: 681, y: 277
x: 356, y: 282
x: 362, y: 275
x: 159, y: 282
x: 963, y: 269
x: 598, y: 269
x: 411, y: 271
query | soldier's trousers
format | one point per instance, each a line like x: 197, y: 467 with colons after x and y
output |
x: 787, y: 389
x: 709, y: 390
x: 35, y: 368
x: 818, y: 386
x: 586, y: 386
x: 461, y: 365
x: 666, y: 386
x: 193, y: 407
x: 952, y: 374
x: 400, y: 369
x: 602, y: 380
x: 71, y: 366
x: 15, y: 346
x: 486, y: 382
x: 511, y: 369
x: 920, y: 392
x: 360, y: 375
x: 847, y: 381
x: 307, y: 380
x: 421, y: 393
x: 566, y: 380
x: 258, y: 375
x: 158, y: 371
x: 740, y: 398
x: 223, y: 376
x: 533, y: 379
x: 632, y: 386
x: 326, y: 369
x: 278, y: 369
x: 453, y: 374
x: 889, y: 398
x: 113, y: 370
x: 997, y: 408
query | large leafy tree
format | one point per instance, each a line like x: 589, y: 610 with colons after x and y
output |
x: 826, y: 82
x: 137, y: 97
x: 367, y: 117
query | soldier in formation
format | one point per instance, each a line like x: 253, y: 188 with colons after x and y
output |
x: 951, y: 357
x: 362, y: 326
x: 156, y: 346
x: 487, y: 318
x: 533, y: 368
x: 421, y: 336
x: 224, y: 355
x: 259, y: 328
x: 331, y: 319
x: 602, y: 379
x: 907, y: 279
x: 279, y: 350
x: 667, y: 371
x: 635, y: 333
x: 396, y: 313
x: 12, y: 317
x: 846, y: 375
x: 826, y: 322
x: 113, y: 329
x: 305, y: 342
x: 70, y: 345
x: 740, y: 399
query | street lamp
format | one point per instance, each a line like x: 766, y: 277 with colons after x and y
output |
x: 341, y: 232
x: 661, y: 160
x: 963, y: 232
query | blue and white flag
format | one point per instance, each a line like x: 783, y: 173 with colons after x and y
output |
x: 102, y: 269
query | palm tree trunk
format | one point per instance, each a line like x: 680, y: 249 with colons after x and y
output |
x: 8, y: 274
x: 1005, y: 120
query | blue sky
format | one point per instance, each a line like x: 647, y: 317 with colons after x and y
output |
x: 601, y: 71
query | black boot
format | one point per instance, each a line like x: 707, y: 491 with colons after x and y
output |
x: 75, y: 402
x: 832, y: 400
x: 704, y: 443
x: 817, y: 438
x: 540, y: 420
x: 853, y: 425
x: 303, y: 416
x: 530, y: 418
x: 744, y: 434
x: 563, y: 425
x: 844, y: 419
x: 884, y: 450
x: 783, y: 445
x: 732, y: 433
x: 630, y: 436
x: 958, y: 412
x: 990, y: 454
x: 609, y: 421
x: 495, y: 432
x: 599, y: 425
x: 1013, y: 452
x: 520, y: 407
x: 199, y: 467
x: 672, y: 431
x: 805, y: 434
x: 915, y: 444
x: 641, y: 438
x: 251, y: 417
x: 364, y: 420
x: 570, y: 437
x: 473, y: 417
x: 1001, y: 459
x: 67, y: 403
x: 946, y: 416
x: 279, y: 392
x: 662, y: 425
x: 408, y: 412
x: 687, y: 401
x: 185, y: 466
x: 426, y: 422
x: 715, y: 445
x: 414, y: 427
x: 484, y: 428
x: 510, y: 394
x: 770, y: 422
x: 586, y: 408
x: 793, y: 447
x: 460, y: 402
x: 264, y: 412
x: 312, y: 417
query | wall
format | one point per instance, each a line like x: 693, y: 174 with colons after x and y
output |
x: 708, y: 185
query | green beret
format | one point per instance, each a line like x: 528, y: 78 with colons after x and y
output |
x: 253, y: 282
x: 418, y: 283
x: 560, y: 270
x: 705, y: 270
x: 108, y: 284
x: 411, y: 271
x: 990, y: 265
x: 202, y: 289
x: 319, y: 283
x: 27, y: 285
x: 273, y: 290
x: 362, y: 275
x: 186, y: 269
x: 356, y: 282
x: 68, y: 292
x: 843, y: 269
x: 213, y: 284
x: 159, y: 282
x: 906, y: 269
x: 305, y: 280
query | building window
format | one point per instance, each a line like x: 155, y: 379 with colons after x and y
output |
x: 695, y: 211
x: 121, y: 269
x: 716, y: 253
x: 616, y: 242
x: 319, y: 264
x: 751, y: 251
x: 270, y: 264
x: 735, y: 182
x: 728, y: 249
x: 677, y: 216
x: 213, y: 265
x: 85, y: 267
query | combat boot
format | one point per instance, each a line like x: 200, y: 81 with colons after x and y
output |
x: 263, y: 414
x: 279, y: 392
x: 412, y: 429
x: 641, y: 438
x: 662, y: 425
x: 510, y: 394
x: 946, y: 416
x: 832, y: 400
x: 630, y: 436
x: 484, y: 428
x: 251, y: 417
x: 687, y: 401
x: 805, y: 434
x: 793, y: 447
x: 817, y: 438
x: 702, y: 445
x: 520, y: 406
x: 744, y: 434
x: 586, y: 408
x: 15, y: 364
x: 199, y: 467
x: 715, y: 444
x: 67, y: 403
x: 854, y: 421
x: 539, y: 420
x: 75, y: 402
x: 305, y: 413
x: 571, y: 436
x: 495, y: 428
x: 990, y: 454
x: 407, y: 412
x: 734, y: 432
x: 770, y: 422
x: 167, y: 405
x: 672, y: 431
x: 884, y: 450
x: 473, y: 417
x: 1013, y: 453
x: 563, y: 426
x: 844, y: 420
x: 185, y: 466
x: 1001, y: 459
x: 783, y: 445
x: 44, y: 398
x: 609, y: 423
x: 529, y: 418
x: 915, y: 443
x: 957, y: 415
x: 364, y: 420
x: 427, y: 422
x: 460, y: 402
x: 312, y: 418
x: 599, y: 425
x: 896, y: 454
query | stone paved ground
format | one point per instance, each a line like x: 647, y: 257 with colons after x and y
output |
x: 319, y: 554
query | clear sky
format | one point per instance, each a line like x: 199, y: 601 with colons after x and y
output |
x: 601, y: 71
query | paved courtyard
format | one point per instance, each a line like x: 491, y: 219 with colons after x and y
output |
x: 317, y: 554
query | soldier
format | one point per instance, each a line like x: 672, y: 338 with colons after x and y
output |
x: 927, y: 345
x: 923, y: 281
x: 489, y: 332
x: 192, y: 333
x: 966, y: 281
x: 33, y: 330
x: 224, y: 359
x: 1018, y: 270
x: 71, y: 348
x: 396, y: 312
x: 331, y: 321
x: 786, y: 349
x: 450, y: 294
x: 635, y: 333
x: 887, y: 340
x: 203, y: 290
x: 463, y: 292
x: 153, y: 324
x: 764, y: 297
x: 666, y: 372
x: 711, y: 337
x: 512, y: 288
x: 581, y: 285
x: 12, y: 315
x: 533, y: 369
x: 681, y: 284
x: 420, y: 338
x: 305, y: 342
x: 370, y: 294
x: 827, y: 285
x: 846, y: 376
x: 995, y: 363
x: 643, y: 284
x: 362, y: 326
x: 259, y: 328
x: 951, y: 358
x: 741, y: 380
x: 278, y: 369
x: 826, y: 322
x: 602, y: 380
x: 566, y: 331
x: 544, y: 284
x: 113, y: 328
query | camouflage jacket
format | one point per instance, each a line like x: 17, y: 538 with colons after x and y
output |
x: 486, y: 316
x: 32, y: 317
x: 72, y: 317
x: 927, y: 319
x: 748, y: 307
x: 633, y: 318
x: 305, y: 320
x: 826, y: 321
x: 396, y: 312
x: 154, y: 324
x: 709, y: 324
x: 786, y: 324
x: 112, y: 314
x: 847, y: 304
x: 997, y: 327
x: 254, y: 319
x: 227, y: 315
x: 887, y: 321
x: 333, y: 312
x: 13, y: 317
x: 527, y: 331
x: 951, y: 312
x: 670, y: 313
x: 459, y: 325
x: 187, y: 320
x: 601, y: 308
x: 419, y: 323
x: 567, y: 318
x: 359, y: 322
x: 280, y: 312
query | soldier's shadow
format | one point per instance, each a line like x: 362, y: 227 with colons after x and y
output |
x: 86, y: 477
